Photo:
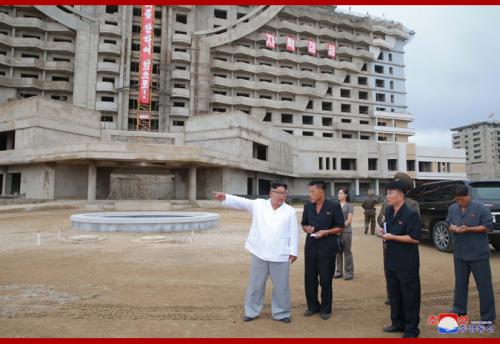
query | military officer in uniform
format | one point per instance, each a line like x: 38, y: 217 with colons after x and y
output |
x: 323, y: 221
x: 370, y: 211
x: 469, y: 222
x: 402, y: 235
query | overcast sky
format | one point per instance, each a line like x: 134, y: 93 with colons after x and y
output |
x: 452, y: 66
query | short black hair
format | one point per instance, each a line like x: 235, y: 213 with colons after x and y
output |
x: 276, y: 184
x: 318, y: 183
x: 461, y: 190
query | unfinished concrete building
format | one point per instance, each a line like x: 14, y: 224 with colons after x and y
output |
x: 481, y: 142
x: 228, y: 112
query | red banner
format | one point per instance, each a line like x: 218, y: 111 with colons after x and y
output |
x: 270, y: 40
x: 311, y: 47
x: 331, y: 50
x: 290, y: 43
x: 146, y: 56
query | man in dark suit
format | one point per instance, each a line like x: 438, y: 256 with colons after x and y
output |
x: 323, y: 221
x: 469, y: 222
x: 402, y: 235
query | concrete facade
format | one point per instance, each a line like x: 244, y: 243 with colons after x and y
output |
x: 481, y: 142
x: 228, y: 113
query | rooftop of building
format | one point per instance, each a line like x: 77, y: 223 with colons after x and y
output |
x: 493, y: 123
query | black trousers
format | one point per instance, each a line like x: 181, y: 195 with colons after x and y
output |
x: 385, y: 268
x: 482, y: 275
x: 404, y: 294
x: 323, y: 269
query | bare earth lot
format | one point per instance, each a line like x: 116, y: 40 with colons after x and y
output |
x: 120, y: 288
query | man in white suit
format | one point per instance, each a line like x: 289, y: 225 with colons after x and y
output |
x: 273, y: 243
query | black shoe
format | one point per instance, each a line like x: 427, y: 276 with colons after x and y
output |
x: 347, y: 278
x: 392, y: 329
x: 388, y: 302
x: 308, y: 313
x: 325, y: 316
x: 457, y: 313
x: 410, y: 335
x: 337, y: 275
x: 286, y: 320
x: 247, y: 319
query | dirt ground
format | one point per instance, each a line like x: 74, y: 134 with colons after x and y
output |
x: 120, y: 288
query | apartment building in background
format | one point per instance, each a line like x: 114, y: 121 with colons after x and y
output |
x: 481, y: 142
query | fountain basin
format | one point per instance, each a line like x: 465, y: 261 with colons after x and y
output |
x: 145, y: 222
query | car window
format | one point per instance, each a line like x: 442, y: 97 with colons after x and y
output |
x: 484, y: 190
x: 445, y: 193
x: 417, y: 194
x: 438, y: 193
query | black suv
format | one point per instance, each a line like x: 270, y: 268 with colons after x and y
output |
x: 434, y: 199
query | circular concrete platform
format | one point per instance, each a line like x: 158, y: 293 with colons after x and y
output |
x: 83, y: 238
x: 145, y: 222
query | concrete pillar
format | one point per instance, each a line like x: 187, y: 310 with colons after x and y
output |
x: 377, y: 187
x: 92, y: 182
x: 356, y: 187
x: 334, y: 191
x: 4, y: 182
x: 192, y: 184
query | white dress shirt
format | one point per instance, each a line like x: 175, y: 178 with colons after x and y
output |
x: 273, y: 234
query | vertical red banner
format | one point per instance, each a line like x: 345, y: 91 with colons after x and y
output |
x: 146, y: 55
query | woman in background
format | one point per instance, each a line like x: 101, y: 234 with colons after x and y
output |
x: 345, y: 238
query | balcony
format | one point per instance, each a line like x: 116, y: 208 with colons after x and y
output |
x: 394, y: 130
x: 106, y: 106
x: 32, y: 23
x: 179, y: 111
x: 384, y: 43
x: 102, y: 86
x: 21, y: 42
x: 181, y: 56
x: 47, y: 85
x: 109, y: 29
x: 109, y: 67
x: 394, y: 115
x: 181, y: 74
x: 180, y: 92
x: 181, y: 38
x: 36, y: 64
x: 109, y: 48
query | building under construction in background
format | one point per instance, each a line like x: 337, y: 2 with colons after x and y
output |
x: 234, y: 97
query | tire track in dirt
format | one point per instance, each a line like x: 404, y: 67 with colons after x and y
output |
x: 82, y: 310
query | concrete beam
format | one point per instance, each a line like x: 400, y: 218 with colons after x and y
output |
x: 4, y: 181
x: 92, y: 182
x: 192, y: 184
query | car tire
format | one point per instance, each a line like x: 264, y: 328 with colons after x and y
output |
x: 441, y: 237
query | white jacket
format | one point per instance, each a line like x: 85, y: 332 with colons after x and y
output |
x: 273, y: 234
